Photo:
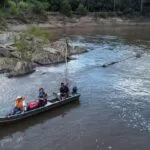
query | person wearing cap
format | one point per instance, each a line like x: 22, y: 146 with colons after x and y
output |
x: 64, y: 91
x: 20, y: 105
x: 42, y: 97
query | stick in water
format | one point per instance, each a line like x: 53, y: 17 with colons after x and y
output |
x: 138, y: 55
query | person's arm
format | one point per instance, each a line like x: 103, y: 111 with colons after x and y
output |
x: 24, y: 106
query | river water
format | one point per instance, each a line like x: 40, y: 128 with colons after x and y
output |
x: 114, y: 108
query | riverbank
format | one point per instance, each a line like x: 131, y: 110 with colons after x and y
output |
x: 54, y: 52
x: 57, y: 20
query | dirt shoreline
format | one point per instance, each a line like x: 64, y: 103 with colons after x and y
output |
x: 60, y: 21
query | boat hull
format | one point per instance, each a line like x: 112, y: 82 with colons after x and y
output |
x: 54, y: 103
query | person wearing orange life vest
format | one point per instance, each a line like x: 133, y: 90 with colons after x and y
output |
x: 20, y: 105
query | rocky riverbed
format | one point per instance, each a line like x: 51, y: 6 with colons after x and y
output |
x: 13, y: 65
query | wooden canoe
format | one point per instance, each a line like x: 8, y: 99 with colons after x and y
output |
x: 51, y: 104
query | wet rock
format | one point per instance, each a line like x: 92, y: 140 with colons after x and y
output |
x: 7, y: 63
x: 4, y: 53
x: 78, y: 50
x: 21, y: 68
x: 4, y: 70
x: 60, y: 47
x: 46, y: 58
x: 54, y: 52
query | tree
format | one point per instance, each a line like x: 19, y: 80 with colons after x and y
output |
x: 65, y: 8
x: 81, y: 10
x: 141, y: 6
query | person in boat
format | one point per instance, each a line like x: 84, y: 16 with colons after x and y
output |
x: 64, y: 91
x: 74, y: 90
x: 42, y: 97
x: 20, y: 105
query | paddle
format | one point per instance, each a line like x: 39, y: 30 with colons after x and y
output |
x: 138, y: 55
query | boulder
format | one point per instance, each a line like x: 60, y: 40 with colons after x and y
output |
x: 7, y: 63
x: 4, y: 52
x: 21, y: 68
x: 60, y: 47
x: 46, y: 58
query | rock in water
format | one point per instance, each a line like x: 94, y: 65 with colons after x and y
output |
x: 78, y: 50
x: 138, y: 55
x: 4, y: 53
x: 22, y: 68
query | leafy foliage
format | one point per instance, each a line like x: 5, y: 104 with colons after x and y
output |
x: 81, y: 6
x: 27, y: 43
x: 81, y: 10
x: 39, y: 7
x: 38, y: 33
x: 65, y: 7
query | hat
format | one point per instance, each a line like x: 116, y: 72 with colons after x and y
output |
x: 19, y: 97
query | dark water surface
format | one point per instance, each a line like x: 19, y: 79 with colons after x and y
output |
x: 114, y: 108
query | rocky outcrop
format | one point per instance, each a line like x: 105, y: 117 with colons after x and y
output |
x: 7, y: 64
x: 54, y: 52
x: 4, y: 53
x: 46, y: 58
x: 21, y: 68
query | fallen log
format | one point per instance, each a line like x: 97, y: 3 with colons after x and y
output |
x: 115, y: 62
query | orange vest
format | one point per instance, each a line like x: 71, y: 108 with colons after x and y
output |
x: 19, y: 103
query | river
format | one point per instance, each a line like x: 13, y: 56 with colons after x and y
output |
x: 114, y: 108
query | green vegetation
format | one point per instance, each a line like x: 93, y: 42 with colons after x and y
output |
x: 81, y: 10
x: 14, y: 7
x: 30, y: 41
x: 34, y: 10
x: 65, y: 7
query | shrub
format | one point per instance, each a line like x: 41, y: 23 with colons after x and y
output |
x: 2, y: 13
x: 39, y: 7
x: 81, y: 10
x: 24, y: 47
x: 37, y: 32
x: 23, y: 5
x: 66, y: 8
x: 12, y: 7
x: 29, y: 41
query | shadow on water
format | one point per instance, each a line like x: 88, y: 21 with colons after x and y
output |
x: 21, y: 126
